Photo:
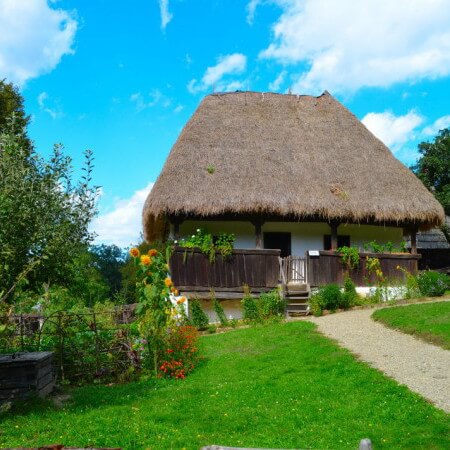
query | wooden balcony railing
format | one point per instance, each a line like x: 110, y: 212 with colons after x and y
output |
x: 328, y: 268
x: 193, y: 272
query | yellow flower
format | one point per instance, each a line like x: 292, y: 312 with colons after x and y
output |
x: 134, y: 252
x: 146, y: 260
x: 181, y: 300
x: 153, y: 252
x: 168, y: 282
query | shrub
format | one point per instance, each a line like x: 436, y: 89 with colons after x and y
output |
x: 250, y: 311
x: 198, y: 317
x: 218, y: 309
x: 433, y: 284
x: 316, y: 304
x: 181, y: 352
x: 271, y: 304
x: 331, y: 296
x: 350, y: 296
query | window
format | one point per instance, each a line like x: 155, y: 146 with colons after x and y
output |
x: 343, y: 241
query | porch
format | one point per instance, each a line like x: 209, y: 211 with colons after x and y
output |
x: 264, y: 269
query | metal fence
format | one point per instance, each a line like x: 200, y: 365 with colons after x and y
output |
x: 87, y: 345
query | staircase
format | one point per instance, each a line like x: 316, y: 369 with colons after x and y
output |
x: 295, y: 287
x: 297, y: 298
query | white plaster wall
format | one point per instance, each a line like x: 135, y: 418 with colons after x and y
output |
x: 305, y: 235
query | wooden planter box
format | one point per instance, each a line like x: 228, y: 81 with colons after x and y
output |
x: 24, y: 373
x: 328, y: 268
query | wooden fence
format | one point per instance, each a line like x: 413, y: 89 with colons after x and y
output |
x: 328, y: 268
x: 192, y: 271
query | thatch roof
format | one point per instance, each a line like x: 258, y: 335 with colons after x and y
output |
x: 432, y: 239
x: 286, y: 155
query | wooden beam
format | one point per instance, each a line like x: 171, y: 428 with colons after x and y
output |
x: 258, y: 223
x: 334, y: 234
x: 414, y: 241
x: 175, y: 223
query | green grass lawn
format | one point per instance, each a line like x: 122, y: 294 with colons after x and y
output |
x: 428, y: 321
x: 276, y: 386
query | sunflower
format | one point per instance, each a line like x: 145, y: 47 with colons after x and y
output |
x: 146, y: 260
x: 153, y: 252
x: 134, y: 252
x: 168, y: 282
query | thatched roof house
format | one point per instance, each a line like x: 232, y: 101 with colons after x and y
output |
x: 279, y: 157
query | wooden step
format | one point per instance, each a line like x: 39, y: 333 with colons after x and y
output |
x: 293, y: 309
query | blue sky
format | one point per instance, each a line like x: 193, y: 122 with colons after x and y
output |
x: 122, y: 78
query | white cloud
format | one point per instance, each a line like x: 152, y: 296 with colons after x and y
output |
x: 33, y: 38
x: 154, y: 98
x: 251, y: 8
x: 439, y: 124
x: 393, y: 130
x: 345, y: 45
x: 123, y: 225
x: 166, y: 16
x: 279, y: 80
x: 213, y: 77
x: 54, y: 111
x: 178, y: 109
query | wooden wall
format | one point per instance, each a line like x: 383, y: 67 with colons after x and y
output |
x: 328, y: 268
x: 192, y: 270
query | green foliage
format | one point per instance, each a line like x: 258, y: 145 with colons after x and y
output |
x: 349, y: 297
x: 350, y: 256
x: 268, y: 306
x: 331, y: 296
x: 209, y: 244
x: 12, y: 105
x: 218, y: 309
x: 388, y: 247
x: 128, y: 270
x: 198, y: 317
x: 316, y: 304
x: 210, y: 169
x: 108, y: 260
x: 250, y: 310
x: 433, y: 284
x: 44, y: 215
x: 271, y: 304
x: 433, y: 167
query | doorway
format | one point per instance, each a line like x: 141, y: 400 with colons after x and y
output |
x: 280, y: 241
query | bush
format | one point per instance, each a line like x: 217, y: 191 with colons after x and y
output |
x: 250, y: 310
x: 271, y: 304
x: 198, y: 317
x: 181, y: 353
x: 331, y: 296
x: 433, y: 284
x: 218, y: 309
x: 316, y: 304
x: 350, y: 296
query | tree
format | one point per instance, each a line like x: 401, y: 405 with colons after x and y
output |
x: 109, y: 259
x: 433, y: 167
x: 12, y: 104
x: 44, y: 216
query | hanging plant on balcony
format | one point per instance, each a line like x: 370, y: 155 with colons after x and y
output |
x: 209, y: 244
x: 349, y: 257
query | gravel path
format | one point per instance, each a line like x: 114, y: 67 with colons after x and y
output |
x: 423, y: 367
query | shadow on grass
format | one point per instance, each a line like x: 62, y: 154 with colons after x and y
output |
x: 92, y: 396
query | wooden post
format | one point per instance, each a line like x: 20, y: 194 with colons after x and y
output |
x: 334, y: 224
x: 414, y: 240
x: 258, y: 223
x: 175, y: 223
